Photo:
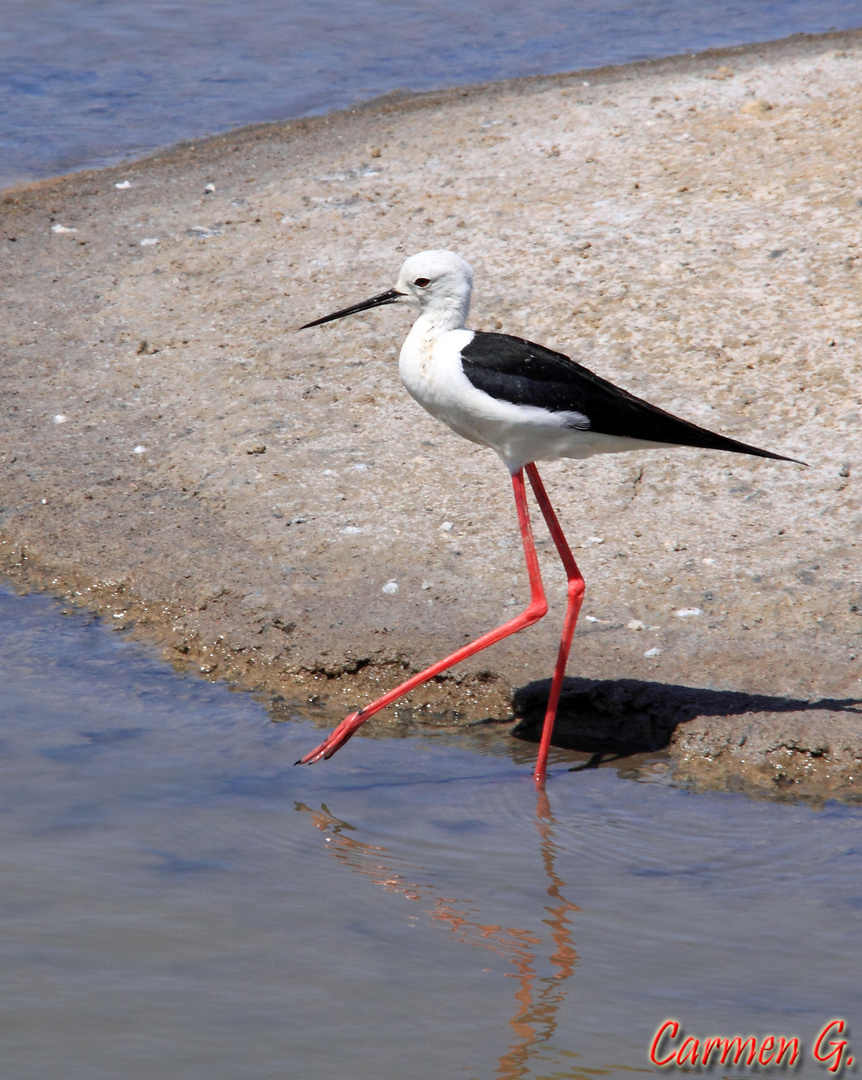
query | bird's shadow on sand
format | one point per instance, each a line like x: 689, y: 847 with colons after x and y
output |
x: 629, y: 716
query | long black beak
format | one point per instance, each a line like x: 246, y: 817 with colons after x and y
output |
x: 391, y: 297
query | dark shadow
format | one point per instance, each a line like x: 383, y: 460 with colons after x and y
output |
x: 600, y: 757
x: 629, y: 716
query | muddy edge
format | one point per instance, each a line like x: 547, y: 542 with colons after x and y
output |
x: 273, y: 509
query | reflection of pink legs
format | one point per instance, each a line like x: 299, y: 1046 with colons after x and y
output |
x: 537, y: 607
x: 573, y: 607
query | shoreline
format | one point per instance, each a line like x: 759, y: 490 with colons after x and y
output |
x: 685, y: 226
x: 792, y: 44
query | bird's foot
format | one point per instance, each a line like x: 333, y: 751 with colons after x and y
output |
x: 336, y: 740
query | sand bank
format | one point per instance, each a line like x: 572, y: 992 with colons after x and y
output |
x: 273, y: 509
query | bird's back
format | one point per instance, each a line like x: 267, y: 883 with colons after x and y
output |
x: 525, y: 374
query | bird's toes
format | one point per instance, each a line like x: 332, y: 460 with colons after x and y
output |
x: 313, y: 755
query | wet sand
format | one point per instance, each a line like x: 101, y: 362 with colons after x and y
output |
x: 176, y: 457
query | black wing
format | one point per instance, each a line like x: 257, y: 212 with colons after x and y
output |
x: 523, y: 373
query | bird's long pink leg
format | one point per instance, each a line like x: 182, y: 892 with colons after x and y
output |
x: 576, y: 596
x: 537, y: 607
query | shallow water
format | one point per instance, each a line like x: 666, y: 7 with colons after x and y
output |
x: 89, y: 82
x: 180, y: 901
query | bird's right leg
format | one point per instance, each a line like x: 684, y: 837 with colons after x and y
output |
x: 573, y: 607
x: 534, y: 611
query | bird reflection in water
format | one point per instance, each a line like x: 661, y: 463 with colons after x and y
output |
x: 537, y: 997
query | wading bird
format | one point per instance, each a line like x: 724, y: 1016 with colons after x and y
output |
x: 529, y: 404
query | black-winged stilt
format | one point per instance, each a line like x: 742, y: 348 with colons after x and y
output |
x: 529, y: 404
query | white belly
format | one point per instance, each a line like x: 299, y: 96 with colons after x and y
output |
x: 432, y: 373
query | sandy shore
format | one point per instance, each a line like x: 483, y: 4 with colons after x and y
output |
x: 175, y: 456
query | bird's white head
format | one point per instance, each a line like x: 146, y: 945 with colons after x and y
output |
x: 439, y: 283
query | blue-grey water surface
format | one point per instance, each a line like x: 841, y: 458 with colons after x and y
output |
x: 89, y: 82
x: 180, y: 902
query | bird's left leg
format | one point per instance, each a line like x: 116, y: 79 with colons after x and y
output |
x: 532, y: 613
x: 575, y: 598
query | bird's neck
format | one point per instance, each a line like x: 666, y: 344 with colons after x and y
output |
x: 434, y: 323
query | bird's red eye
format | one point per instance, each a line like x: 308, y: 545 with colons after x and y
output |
x: 422, y: 282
